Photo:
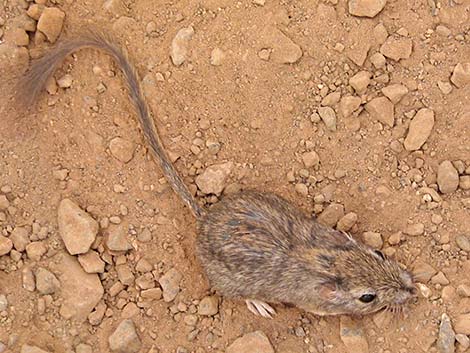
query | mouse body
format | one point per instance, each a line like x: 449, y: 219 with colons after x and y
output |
x: 254, y: 246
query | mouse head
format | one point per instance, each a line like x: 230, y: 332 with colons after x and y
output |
x: 360, y: 280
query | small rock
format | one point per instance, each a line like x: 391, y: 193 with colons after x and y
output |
x: 65, y: 81
x: 130, y: 310
x: 152, y: 294
x: 310, y: 159
x: 328, y: 115
x: 116, y: 238
x: 254, y: 342
x: 3, y: 302
x: 446, y: 337
x: 17, y: 36
x: 50, y: 23
x: 213, y: 179
x: 35, y: 11
x: 80, y: 291
x: 27, y: 277
x: 36, y: 250
x: 125, y: 339
x: 358, y: 53
x: 179, y: 45
x: 283, y: 49
x: 397, y: 48
x: 20, y: 238
x: 331, y: 99
x: 463, y: 242
x: 395, y: 92
x: 122, y: 149
x: 83, y: 348
x: 360, y: 81
x: 447, y: 177
x: 378, y: 60
x: 419, y: 130
x: 366, y: 8
x: 125, y: 275
x: 259, y: 2
x: 423, y: 272
x: 331, y: 215
x: 46, y: 281
x: 143, y: 266
x: 4, y: 203
x: 464, y: 182
x: 347, y: 222
x: 414, y: 229
x: 395, y: 238
x: 463, y: 290
x: 217, y: 57
x: 440, y: 278
x: 381, y: 109
x: 373, y: 239
x: 5, y: 245
x: 115, y: 7
x: 353, y: 336
x: 348, y: 105
x: 91, y: 262
x: 209, y: 306
x: 145, y: 236
x: 170, y: 283
x: 444, y: 86
x: 26, y: 348
x: 462, y: 324
x: 76, y: 227
x: 301, y: 189
x: 463, y: 340
x: 461, y: 75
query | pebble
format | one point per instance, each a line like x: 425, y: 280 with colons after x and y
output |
x: 50, y: 23
x: 464, y: 341
x: 91, y: 262
x: 423, y: 272
x: 80, y: 291
x: 65, y: 81
x: 26, y: 348
x: 395, y: 92
x: 378, y: 60
x: 462, y: 324
x: 301, y: 189
x: 463, y: 242
x: 348, y: 105
x: 125, y: 339
x: 170, y: 283
x: 27, y: 277
x: 179, y: 45
x: 373, y: 239
x: 360, y: 81
x: 17, y: 36
x: 143, y: 266
x: 353, y: 336
x: 419, y: 130
x: 331, y: 99
x: 381, y: 109
x: 36, y: 250
x: 259, y: 2
x: 414, y: 229
x: 208, y: 306
x: 366, y: 8
x: 444, y: 86
x: 310, y: 159
x: 347, y: 222
x: 4, y: 203
x: 331, y: 215
x: 440, y: 278
x: 461, y: 75
x: 116, y: 238
x: 35, y: 11
x: 144, y: 236
x: 122, y: 149
x: 76, y: 227
x: 5, y: 245
x: 446, y: 337
x: 83, y: 348
x: 463, y: 290
x: 447, y: 177
x: 3, y: 302
x: 46, y: 281
x: 152, y: 294
x: 213, y: 179
x: 397, y: 48
x: 284, y: 50
x: 464, y: 182
x: 250, y: 343
x: 217, y: 57
x: 328, y: 115
x: 115, y: 7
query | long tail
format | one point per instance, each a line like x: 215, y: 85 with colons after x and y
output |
x: 32, y: 84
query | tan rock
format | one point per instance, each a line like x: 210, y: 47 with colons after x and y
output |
x: 250, y: 343
x: 366, y: 8
x: 397, y: 48
x: 50, y: 23
x: 419, y: 130
x: 461, y: 75
x: 381, y: 109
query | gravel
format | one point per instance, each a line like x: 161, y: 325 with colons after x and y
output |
x: 213, y: 179
x: 381, y: 109
x: 46, y: 281
x: 170, y: 283
x: 461, y: 75
x: 447, y: 177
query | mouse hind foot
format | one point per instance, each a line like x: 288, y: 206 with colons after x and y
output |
x: 261, y: 308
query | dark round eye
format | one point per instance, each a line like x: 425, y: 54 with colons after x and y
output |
x: 367, y: 298
x: 380, y: 254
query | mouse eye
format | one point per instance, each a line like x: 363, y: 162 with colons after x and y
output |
x: 367, y: 298
x: 380, y: 254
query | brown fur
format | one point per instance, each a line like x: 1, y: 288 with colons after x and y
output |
x: 257, y: 245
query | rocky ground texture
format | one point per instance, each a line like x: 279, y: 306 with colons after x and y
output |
x: 355, y: 110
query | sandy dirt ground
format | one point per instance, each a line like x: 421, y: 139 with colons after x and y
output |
x: 355, y: 111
